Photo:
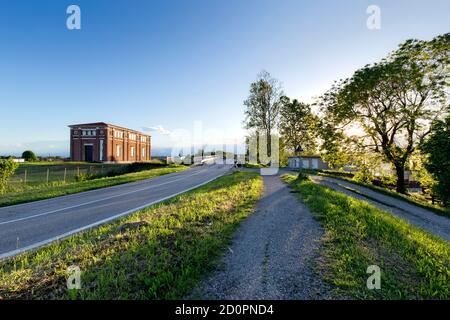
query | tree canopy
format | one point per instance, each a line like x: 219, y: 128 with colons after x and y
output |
x: 29, y: 155
x: 391, y: 103
x: 263, y: 106
x: 297, y: 124
x: 437, y: 147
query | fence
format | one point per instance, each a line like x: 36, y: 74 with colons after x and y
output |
x: 37, y: 175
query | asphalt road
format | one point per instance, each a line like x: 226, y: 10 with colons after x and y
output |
x: 30, y: 225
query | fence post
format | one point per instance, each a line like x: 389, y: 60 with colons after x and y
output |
x: 65, y: 172
x: 78, y: 171
x: 48, y: 172
x: 25, y: 178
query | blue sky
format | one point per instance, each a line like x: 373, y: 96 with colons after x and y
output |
x: 170, y: 63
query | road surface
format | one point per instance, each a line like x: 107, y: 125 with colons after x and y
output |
x: 272, y: 253
x: 30, y: 225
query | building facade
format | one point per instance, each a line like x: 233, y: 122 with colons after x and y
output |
x: 103, y: 142
x: 307, y: 162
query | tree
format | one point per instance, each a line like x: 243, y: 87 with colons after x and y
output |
x: 297, y: 124
x: 7, y: 169
x: 393, y: 103
x: 263, y: 107
x: 29, y: 155
x: 437, y: 147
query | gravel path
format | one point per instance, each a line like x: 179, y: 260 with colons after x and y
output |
x: 415, y: 215
x: 272, y: 253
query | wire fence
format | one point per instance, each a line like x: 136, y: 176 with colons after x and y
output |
x: 38, y: 175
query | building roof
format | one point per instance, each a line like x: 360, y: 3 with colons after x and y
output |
x: 305, y: 157
x: 107, y: 125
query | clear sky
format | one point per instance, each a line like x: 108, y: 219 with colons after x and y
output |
x: 166, y: 64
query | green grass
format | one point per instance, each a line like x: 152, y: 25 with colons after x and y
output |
x: 254, y: 165
x: 41, y: 192
x: 411, y: 198
x: 157, y: 253
x: 414, y: 264
x: 36, y: 172
x: 405, y: 197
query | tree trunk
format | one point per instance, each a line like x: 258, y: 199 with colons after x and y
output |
x: 400, y: 171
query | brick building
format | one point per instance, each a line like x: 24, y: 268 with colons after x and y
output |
x: 103, y: 142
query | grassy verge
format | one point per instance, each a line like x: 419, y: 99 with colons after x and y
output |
x: 157, y: 253
x: 45, y: 192
x: 408, y: 198
x: 414, y: 264
x: 254, y: 165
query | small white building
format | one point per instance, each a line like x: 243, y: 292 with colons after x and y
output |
x: 307, y: 162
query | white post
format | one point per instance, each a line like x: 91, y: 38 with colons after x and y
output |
x: 65, y: 172
x: 48, y: 171
x: 25, y: 178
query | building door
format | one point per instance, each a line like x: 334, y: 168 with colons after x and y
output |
x: 88, y: 153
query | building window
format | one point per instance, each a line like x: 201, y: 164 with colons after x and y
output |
x: 143, y: 139
x: 88, y: 133
x: 132, y: 151
x: 143, y: 153
x: 118, y: 151
x: 132, y: 136
x: 118, y: 134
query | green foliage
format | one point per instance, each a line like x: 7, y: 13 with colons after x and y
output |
x: 438, y: 148
x: 297, y: 125
x: 29, y: 155
x: 363, y: 175
x: 86, y: 176
x: 414, y: 264
x: 393, y: 101
x: 160, y: 252
x: 417, y: 164
x: 262, y: 108
x: 7, y: 169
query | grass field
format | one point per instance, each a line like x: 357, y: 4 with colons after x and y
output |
x: 413, y: 199
x: 414, y: 264
x: 46, y: 191
x: 33, y: 174
x: 157, y: 253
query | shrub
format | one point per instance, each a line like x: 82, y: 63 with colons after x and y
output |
x: 7, y: 169
x: 29, y: 155
x: 142, y: 166
x: 363, y: 176
x: 86, y: 176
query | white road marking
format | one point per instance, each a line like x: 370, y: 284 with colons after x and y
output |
x: 117, y: 186
x: 95, y: 201
x: 100, y: 222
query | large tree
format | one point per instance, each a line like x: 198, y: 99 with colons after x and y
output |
x: 263, y: 107
x: 437, y: 147
x: 393, y: 103
x: 297, y: 125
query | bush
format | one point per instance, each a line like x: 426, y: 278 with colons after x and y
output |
x: 7, y: 169
x: 438, y: 148
x: 142, y: 166
x: 363, y: 176
x: 86, y: 176
x: 29, y: 156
